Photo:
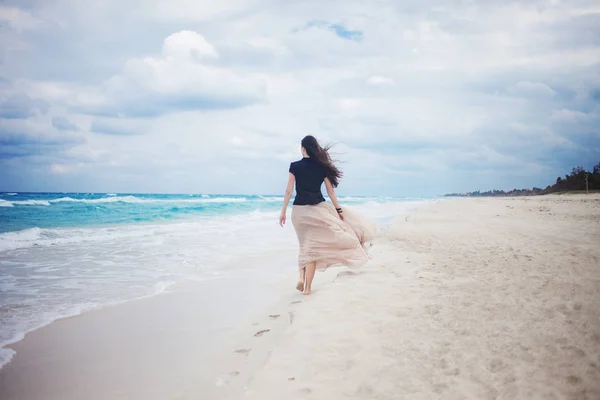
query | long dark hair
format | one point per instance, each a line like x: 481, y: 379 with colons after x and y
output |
x: 321, y: 156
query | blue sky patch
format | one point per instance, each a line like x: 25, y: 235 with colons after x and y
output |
x: 339, y: 29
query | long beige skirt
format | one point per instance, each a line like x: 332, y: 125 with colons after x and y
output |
x: 323, y: 237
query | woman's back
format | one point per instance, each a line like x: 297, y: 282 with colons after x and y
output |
x: 309, y: 177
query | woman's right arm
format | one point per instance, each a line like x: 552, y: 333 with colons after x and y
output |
x: 333, y: 197
x: 289, y: 190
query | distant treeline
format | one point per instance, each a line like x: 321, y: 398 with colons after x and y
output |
x: 570, y: 183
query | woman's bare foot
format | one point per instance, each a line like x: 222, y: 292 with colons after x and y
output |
x: 300, y: 286
x: 307, y: 292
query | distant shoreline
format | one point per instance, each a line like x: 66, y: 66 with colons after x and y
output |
x: 509, y: 194
x: 579, y: 181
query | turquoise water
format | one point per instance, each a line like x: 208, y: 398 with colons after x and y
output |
x: 62, y: 254
x: 20, y: 211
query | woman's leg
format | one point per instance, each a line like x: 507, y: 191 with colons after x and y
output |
x: 300, y: 285
x: 310, y: 274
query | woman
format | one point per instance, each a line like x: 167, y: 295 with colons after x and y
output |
x: 327, y: 234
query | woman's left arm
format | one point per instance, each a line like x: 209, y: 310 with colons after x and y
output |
x: 333, y: 197
x: 289, y: 190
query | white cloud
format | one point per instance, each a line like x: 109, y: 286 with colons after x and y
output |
x: 187, y: 45
x: 531, y: 89
x: 565, y: 115
x: 19, y: 131
x: 17, y: 18
x: 176, y: 80
x: 185, y: 10
x: 350, y: 103
x: 269, y: 44
x: 179, y: 79
x: 380, y: 80
x: 61, y: 169
x: 237, y: 141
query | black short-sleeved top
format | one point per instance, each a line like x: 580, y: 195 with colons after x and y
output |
x: 309, y: 178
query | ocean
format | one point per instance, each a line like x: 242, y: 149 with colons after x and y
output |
x: 62, y: 254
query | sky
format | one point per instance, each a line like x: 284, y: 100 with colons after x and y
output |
x: 420, y: 97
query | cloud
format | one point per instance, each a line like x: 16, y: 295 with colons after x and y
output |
x: 579, y: 128
x: 63, y: 124
x: 22, y: 138
x: 379, y: 80
x: 183, y: 77
x: 350, y: 103
x: 117, y: 126
x: 187, y: 44
x: 531, y: 89
x: 178, y: 80
x: 20, y: 106
x: 237, y: 141
x: 569, y: 116
x: 17, y: 18
x: 198, y: 10
x: 62, y: 169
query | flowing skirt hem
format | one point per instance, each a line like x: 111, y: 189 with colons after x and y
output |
x: 327, y: 240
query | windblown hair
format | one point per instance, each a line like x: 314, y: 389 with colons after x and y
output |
x: 322, y: 157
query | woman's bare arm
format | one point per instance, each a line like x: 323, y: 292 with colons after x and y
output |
x: 332, y: 196
x: 289, y: 190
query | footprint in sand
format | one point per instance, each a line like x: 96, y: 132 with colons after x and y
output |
x: 496, y: 365
x: 224, y: 380
x: 274, y: 316
x: 291, y: 317
x: 296, y: 302
x: 260, y: 333
x: 244, y: 352
x: 439, y: 387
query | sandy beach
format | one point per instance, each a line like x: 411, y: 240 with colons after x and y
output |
x: 464, y: 299
x: 493, y: 298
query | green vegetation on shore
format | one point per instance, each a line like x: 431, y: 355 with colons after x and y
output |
x: 574, y: 182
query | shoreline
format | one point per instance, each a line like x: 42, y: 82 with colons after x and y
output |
x: 76, y: 309
x: 7, y: 345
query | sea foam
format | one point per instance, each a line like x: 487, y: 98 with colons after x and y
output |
x: 30, y: 203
